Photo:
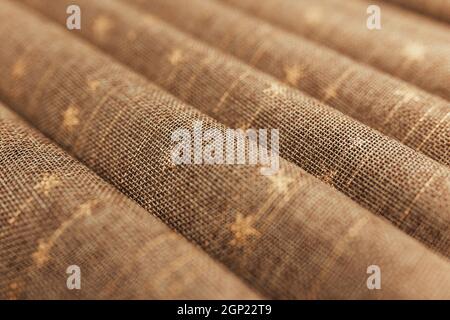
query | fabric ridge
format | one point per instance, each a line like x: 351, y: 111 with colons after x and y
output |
x: 116, y: 162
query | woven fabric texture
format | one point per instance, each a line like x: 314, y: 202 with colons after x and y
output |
x: 423, y: 61
x: 414, y: 117
x: 364, y: 161
x: 55, y: 213
x: 355, y: 159
x: 435, y: 8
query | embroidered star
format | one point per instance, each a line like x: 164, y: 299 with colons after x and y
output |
x: 18, y: 69
x: 357, y: 142
x: 242, y: 229
x: 102, y: 25
x: 14, y: 291
x: 42, y: 254
x: 71, y: 117
x: 328, y: 177
x: 407, y: 95
x: 280, y: 181
x: 176, y: 57
x: 293, y: 74
x: 313, y: 15
x: 414, y: 52
x: 330, y: 92
x: 274, y: 90
x: 48, y: 182
x: 93, y: 85
x: 85, y: 209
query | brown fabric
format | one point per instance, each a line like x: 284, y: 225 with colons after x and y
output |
x: 439, y: 9
x: 386, y: 177
x: 55, y: 213
x: 395, y: 108
x: 288, y: 235
x: 341, y: 25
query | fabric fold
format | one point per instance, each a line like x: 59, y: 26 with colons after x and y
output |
x: 55, y: 213
x: 381, y: 174
x: 389, y: 105
x: 416, y: 50
x: 289, y: 235
x: 438, y: 9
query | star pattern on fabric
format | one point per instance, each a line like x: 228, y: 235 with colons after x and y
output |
x: 18, y: 212
x: 176, y: 57
x: 242, y: 228
x: 42, y: 254
x: 293, y: 73
x: 328, y: 177
x: 330, y: 93
x: 102, y: 26
x: 274, y: 90
x: 357, y: 142
x: 47, y: 184
x: 414, y: 52
x: 93, y: 85
x: 407, y: 95
x: 280, y: 181
x: 313, y: 15
x: 71, y: 118
x: 14, y: 290
x: 18, y: 69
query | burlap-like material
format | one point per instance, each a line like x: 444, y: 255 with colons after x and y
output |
x: 439, y: 9
x: 395, y: 108
x: 289, y: 235
x: 341, y: 25
x: 55, y: 213
x: 381, y: 174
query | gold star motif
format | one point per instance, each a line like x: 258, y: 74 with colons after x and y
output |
x: 176, y: 57
x: 85, y: 209
x: 407, y: 95
x: 48, y: 182
x: 328, y: 177
x: 102, y: 25
x: 18, y: 69
x: 357, y: 142
x: 71, y: 117
x: 14, y: 290
x: 414, y: 52
x: 40, y: 257
x: 313, y: 15
x: 280, y: 181
x: 93, y: 85
x: 242, y: 229
x: 330, y: 92
x: 274, y: 90
x: 42, y: 254
x: 293, y: 74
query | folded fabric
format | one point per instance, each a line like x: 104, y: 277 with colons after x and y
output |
x: 395, y: 108
x: 439, y: 9
x: 56, y: 213
x: 341, y: 25
x: 289, y: 235
x: 412, y: 116
x: 381, y: 174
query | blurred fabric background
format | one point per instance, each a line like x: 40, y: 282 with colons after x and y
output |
x: 86, y: 176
